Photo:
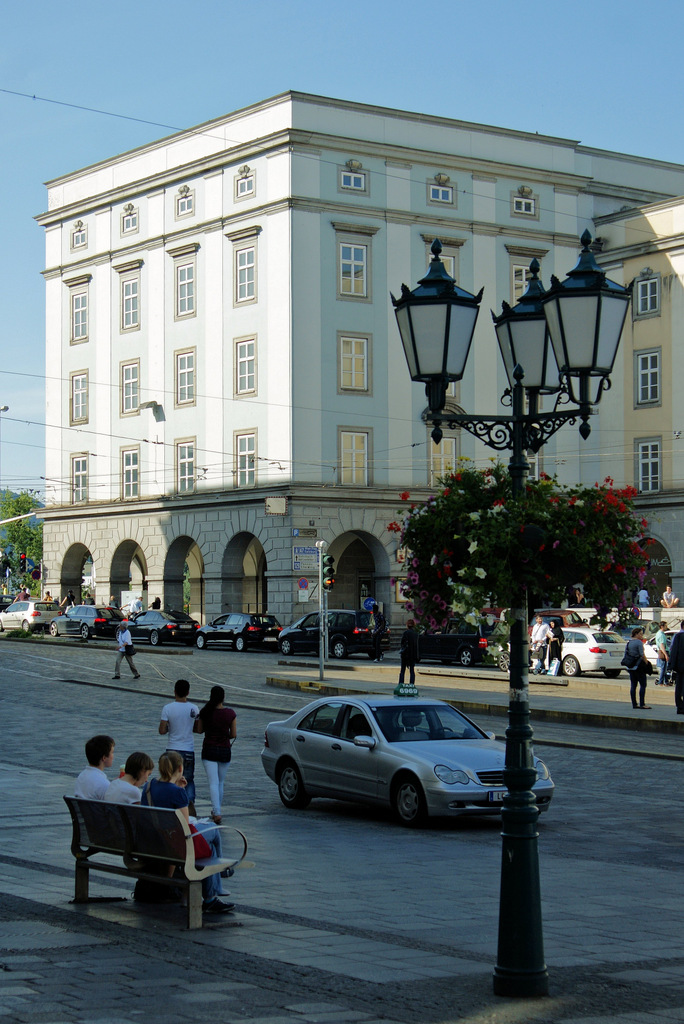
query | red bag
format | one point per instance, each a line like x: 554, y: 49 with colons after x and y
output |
x: 203, y: 850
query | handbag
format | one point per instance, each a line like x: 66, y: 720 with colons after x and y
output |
x: 130, y: 651
x: 202, y: 847
x: 630, y: 661
x: 554, y: 667
x: 649, y: 668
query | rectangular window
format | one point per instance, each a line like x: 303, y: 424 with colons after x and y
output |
x: 130, y: 482
x: 524, y: 205
x: 130, y: 309
x: 245, y: 367
x: 354, y: 180
x: 244, y: 186
x: 648, y: 296
x: 353, y: 457
x: 79, y: 478
x: 129, y: 221
x: 353, y: 363
x: 185, y: 465
x: 353, y: 269
x: 245, y: 274
x: 441, y: 194
x: 185, y: 289
x: 79, y: 398
x: 79, y: 236
x: 185, y: 378
x: 647, y: 378
x: 519, y: 273
x: 130, y: 388
x: 442, y: 459
x: 648, y: 474
x: 245, y: 459
x: 185, y: 203
x: 79, y: 315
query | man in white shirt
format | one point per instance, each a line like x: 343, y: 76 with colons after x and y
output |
x: 92, y: 783
x: 126, y: 789
x: 540, y: 632
x: 124, y: 642
x: 670, y: 599
x: 136, y: 606
x: 178, y: 723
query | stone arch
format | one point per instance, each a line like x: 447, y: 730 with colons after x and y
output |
x: 244, y: 583
x: 184, y: 551
x: 660, y: 569
x: 362, y: 570
x: 71, y: 569
x: 128, y: 570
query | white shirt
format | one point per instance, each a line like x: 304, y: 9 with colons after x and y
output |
x: 540, y: 631
x: 669, y: 597
x: 136, y: 606
x: 643, y: 597
x: 92, y: 784
x: 181, y: 716
x: 120, y: 792
x: 125, y: 638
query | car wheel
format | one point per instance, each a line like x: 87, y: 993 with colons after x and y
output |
x: 155, y: 638
x: 240, y: 644
x: 338, y: 649
x: 465, y: 656
x: 85, y: 632
x: 53, y: 629
x: 291, y: 788
x: 26, y: 626
x: 571, y: 666
x: 504, y: 661
x: 611, y: 673
x: 201, y: 641
x: 285, y: 647
x: 409, y: 802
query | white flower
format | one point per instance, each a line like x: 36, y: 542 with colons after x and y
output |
x: 472, y: 546
x: 497, y: 508
x: 462, y: 572
x: 474, y: 516
x: 480, y: 573
x: 471, y: 617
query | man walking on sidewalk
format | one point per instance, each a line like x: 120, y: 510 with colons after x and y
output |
x: 178, y: 723
x: 124, y: 642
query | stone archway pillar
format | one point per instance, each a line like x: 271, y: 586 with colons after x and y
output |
x: 212, y: 590
x: 384, y: 593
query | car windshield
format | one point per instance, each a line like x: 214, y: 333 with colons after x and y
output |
x: 267, y: 620
x: 419, y: 722
x: 108, y: 613
x: 609, y: 638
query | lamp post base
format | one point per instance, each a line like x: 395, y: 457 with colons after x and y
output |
x: 521, y: 986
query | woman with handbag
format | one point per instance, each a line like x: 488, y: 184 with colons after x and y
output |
x: 218, y: 725
x: 125, y: 649
x: 635, y: 661
x: 169, y: 791
x: 556, y: 638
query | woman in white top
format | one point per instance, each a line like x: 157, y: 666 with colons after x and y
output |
x: 126, y: 790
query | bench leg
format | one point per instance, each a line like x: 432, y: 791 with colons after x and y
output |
x: 195, y: 905
x: 81, y: 886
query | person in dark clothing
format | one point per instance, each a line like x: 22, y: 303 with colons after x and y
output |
x: 408, y: 652
x: 378, y: 632
x: 676, y: 663
x: 637, y: 673
x: 556, y: 638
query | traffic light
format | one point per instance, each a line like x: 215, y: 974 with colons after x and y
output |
x: 22, y: 563
x: 328, y: 572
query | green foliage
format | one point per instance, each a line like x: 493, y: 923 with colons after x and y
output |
x: 473, y: 544
x: 25, y: 535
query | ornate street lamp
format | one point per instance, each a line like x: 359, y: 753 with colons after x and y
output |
x: 583, y: 317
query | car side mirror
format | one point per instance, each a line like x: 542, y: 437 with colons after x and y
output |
x: 364, y: 741
x: 491, y: 735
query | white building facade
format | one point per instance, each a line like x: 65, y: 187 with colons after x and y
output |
x: 225, y: 381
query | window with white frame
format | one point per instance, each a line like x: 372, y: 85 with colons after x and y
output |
x: 647, y: 288
x: 185, y: 377
x: 130, y: 473
x: 449, y: 254
x: 353, y: 457
x: 353, y: 263
x: 245, y: 274
x: 647, y: 377
x: 79, y: 235
x: 442, y: 194
x: 130, y: 388
x: 353, y: 362
x: 351, y: 180
x: 245, y: 183
x: 185, y: 465
x: 524, y: 203
x: 648, y: 465
x: 443, y: 459
x: 79, y: 314
x: 130, y: 303
x: 185, y: 202
x: 185, y: 288
x: 79, y: 478
x: 245, y: 366
x: 79, y: 397
x: 245, y: 459
x: 129, y: 220
x: 519, y: 280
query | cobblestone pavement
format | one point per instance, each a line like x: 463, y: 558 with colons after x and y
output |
x: 341, y: 915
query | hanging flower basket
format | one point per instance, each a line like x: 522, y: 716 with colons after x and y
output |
x: 473, y: 545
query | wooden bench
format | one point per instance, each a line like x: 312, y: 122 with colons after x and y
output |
x: 142, y: 836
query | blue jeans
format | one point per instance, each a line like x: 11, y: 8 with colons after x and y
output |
x: 216, y: 773
x: 188, y: 771
x: 662, y: 667
x: 211, y: 885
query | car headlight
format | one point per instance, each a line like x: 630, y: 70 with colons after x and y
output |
x: 542, y: 770
x: 450, y: 775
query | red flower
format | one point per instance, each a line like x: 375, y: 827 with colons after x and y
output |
x: 405, y: 495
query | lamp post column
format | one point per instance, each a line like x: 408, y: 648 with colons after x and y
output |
x: 520, y: 968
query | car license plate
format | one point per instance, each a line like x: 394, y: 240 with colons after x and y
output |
x: 496, y: 796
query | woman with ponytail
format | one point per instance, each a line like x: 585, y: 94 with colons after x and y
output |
x: 218, y: 725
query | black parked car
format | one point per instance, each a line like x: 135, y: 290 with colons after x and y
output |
x: 86, y: 620
x: 462, y: 642
x: 349, y: 632
x: 163, y: 627
x: 241, y: 630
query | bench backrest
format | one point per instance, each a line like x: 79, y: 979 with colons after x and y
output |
x: 96, y: 825
x: 130, y: 830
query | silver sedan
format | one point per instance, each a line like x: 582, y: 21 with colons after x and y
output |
x: 420, y: 757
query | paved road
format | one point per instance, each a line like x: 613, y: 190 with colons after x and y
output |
x: 342, y: 916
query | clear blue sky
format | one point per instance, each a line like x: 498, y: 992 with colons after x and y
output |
x: 607, y: 74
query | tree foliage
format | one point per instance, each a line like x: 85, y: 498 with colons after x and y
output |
x: 25, y: 536
x: 472, y: 544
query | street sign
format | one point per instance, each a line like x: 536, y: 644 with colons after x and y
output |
x: 303, y: 583
x: 304, y: 559
x: 35, y: 575
x: 368, y: 604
